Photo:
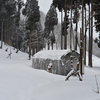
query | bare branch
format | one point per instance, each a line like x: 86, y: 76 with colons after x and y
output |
x: 93, y: 25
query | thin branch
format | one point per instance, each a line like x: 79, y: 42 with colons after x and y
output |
x: 91, y: 18
x: 93, y: 25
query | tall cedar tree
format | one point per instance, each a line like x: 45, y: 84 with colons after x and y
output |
x: 19, y: 5
x: 50, y: 21
x: 33, y: 15
x: 75, y: 21
x: 7, y: 10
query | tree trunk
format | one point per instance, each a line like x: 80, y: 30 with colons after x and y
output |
x: 37, y: 41
x: 91, y: 33
x: 82, y: 36
x: 48, y: 45
x: 71, y: 29
x: 65, y: 31
x: 61, y: 29
x: 33, y: 50
x: 89, y: 43
x: 1, y: 34
x: 81, y: 52
x: 30, y: 46
x: 7, y: 38
x: 16, y: 38
x: 82, y: 18
x: 52, y: 45
x: 5, y: 32
x: 76, y: 39
x: 85, y: 40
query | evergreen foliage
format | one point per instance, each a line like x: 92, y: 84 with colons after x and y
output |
x: 76, y: 14
x: 97, y: 41
x: 50, y: 21
x: 67, y: 25
x: 33, y: 26
x: 32, y: 13
x: 96, y: 8
x: 19, y: 4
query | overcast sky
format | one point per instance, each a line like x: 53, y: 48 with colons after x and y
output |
x: 44, y: 5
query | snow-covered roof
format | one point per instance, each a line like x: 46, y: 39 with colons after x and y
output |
x: 51, y: 54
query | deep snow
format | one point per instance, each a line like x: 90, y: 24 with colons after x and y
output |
x: 19, y: 81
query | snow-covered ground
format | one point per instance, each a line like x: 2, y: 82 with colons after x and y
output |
x: 18, y: 81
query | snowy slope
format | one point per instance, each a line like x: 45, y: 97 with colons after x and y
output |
x: 18, y: 81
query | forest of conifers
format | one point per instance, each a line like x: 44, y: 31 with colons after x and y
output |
x: 28, y: 35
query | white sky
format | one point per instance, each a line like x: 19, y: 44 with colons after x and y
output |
x: 44, y: 5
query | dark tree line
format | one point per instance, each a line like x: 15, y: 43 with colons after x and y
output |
x: 31, y: 36
x: 7, y: 10
x: 9, y: 21
x: 25, y: 36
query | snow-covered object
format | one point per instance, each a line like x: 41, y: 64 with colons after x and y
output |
x: 60, y: 60
x: 51, y: 54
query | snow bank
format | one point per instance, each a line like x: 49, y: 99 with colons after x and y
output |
x: 18, y: 81
x: 95, y: 60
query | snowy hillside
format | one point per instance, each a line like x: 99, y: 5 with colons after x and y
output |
x: 18, y: 81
